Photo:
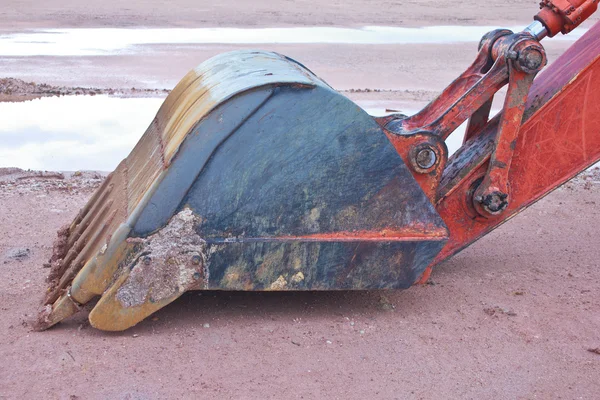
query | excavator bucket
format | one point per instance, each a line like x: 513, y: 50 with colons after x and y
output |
x: 254, y: 175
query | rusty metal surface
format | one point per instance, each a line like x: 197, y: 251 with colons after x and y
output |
x: 559, y: 138
x: 284, y: 183
x: 562, y: 16
x: 94, y: 243
x: 410, y: 145
x: 552, y: 80
x: 527, y: 58
x: 468, y: 93
x: 502, y: 155
x: 294, y: 199
x: 119, y: 198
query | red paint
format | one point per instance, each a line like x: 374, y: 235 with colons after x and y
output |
x: 562, y: 16
x: 407, y: 234
x: 560, y: 138
x: 558, y: 141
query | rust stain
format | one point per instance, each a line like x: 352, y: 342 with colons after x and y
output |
x: 413, y: 233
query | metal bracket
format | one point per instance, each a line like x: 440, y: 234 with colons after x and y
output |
x: 503, y: 58
x: 525, y: 58
x: 467, y: 94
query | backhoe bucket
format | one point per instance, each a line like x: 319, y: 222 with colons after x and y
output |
x: 254, y: 175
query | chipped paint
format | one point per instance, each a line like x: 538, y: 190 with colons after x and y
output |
x: 279, y: 284
x: 297, y: 278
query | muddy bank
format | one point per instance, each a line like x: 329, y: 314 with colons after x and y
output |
x: 16, y: 181
x: 15, y: 90
x: 411, y: 67
x: 12, y: 89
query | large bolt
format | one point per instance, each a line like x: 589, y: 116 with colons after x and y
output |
x: 426, y: 158
x: 493, y: 203
x: 531, y: 59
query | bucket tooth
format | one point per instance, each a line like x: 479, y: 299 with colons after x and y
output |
x: 165, y: 265
x: 52, y: 314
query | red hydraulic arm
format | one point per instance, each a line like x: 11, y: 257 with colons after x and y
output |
x: 546, y: 133
x: 564, y: 15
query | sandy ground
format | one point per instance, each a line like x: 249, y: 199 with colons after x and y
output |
x: 20, y: 14
x: 514, y: 316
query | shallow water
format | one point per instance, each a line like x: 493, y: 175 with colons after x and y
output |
x: 106, y: 41
x: 72, y: 132
x: 87, y: 132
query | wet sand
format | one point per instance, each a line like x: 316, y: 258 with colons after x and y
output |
x: 513, y: 316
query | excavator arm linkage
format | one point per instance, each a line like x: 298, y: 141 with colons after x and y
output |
x: 256, y: 175
x: 547, y: 132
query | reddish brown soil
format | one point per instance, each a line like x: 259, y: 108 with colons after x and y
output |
x: 17, y: 14
x: 513, y: 316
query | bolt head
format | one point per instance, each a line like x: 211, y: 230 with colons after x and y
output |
x: 532, y: 59
x: 426, y: 158
x: 494, y: 203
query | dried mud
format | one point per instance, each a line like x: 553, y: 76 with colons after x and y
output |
x: 169, y: 262
x: 21, y: 182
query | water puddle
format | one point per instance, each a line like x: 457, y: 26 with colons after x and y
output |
x: 91, y: 132
x: 72, y: 132
x: 107, y: 41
